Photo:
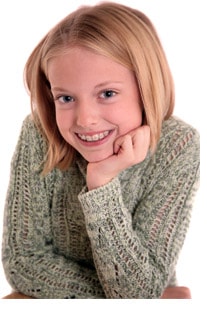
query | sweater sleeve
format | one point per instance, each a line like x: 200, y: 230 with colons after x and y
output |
x: 136, y: 245
x: 30, y: 262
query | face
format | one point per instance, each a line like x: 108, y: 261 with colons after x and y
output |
x: 96, y: 101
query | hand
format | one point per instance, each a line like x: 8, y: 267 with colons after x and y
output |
x: 17, y: 295
x: 129, y: 149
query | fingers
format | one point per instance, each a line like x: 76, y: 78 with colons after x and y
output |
x: 129, y: 149
x: 141, y: 142
x: 123, y: 143
x: 134, y: 145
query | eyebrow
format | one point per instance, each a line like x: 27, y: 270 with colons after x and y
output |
x: 106, y: 83
x: 59, y: 89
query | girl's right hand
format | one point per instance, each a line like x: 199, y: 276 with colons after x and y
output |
x: 129, y: 149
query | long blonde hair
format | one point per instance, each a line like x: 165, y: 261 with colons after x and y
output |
x: 119, y: 32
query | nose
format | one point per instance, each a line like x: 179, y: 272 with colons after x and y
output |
x: 86, y: 114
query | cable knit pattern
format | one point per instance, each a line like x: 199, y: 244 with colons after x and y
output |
x: 121, y: 240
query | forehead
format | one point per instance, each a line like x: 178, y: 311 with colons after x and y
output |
x: 78, y: 61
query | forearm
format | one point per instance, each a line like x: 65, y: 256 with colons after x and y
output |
x: 51, y: 276
x: 130, y: 257
x: 33, y: 268
x: 123, y: 263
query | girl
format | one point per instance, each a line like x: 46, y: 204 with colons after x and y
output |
x: 103, y: 176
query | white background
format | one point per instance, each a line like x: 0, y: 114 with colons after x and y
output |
x: 180, y: 24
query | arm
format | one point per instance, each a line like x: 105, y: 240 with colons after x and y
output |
x: 169, y: 293
x: 136, y: 249
x: 31, y: 265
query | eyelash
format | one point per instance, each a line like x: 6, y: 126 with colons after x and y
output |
x: 62, y: 98
x: 108, y: 91
x: 65, y: 99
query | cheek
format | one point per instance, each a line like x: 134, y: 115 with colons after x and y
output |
x: 130, y: 119
x: 64, y: 124
x: 63, y: 121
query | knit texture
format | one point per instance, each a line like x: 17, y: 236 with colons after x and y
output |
x: 121, y: 240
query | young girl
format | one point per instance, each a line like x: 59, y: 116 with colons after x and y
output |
x: 103, y: 176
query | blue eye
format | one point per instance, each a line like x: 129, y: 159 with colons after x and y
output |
x: 108, y: 94
x: 65, y: 99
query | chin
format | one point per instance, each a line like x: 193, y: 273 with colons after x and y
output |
x: 92, y: 158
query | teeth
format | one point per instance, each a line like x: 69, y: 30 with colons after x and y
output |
x: 95, y: 137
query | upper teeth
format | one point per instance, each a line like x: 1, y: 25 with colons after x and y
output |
x: 95, y: 137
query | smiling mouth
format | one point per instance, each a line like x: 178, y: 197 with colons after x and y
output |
x: 93, y: 138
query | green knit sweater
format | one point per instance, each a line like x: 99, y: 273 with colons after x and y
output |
x: 121, y: 240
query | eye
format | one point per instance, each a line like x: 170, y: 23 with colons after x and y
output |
x: 65, y: 99
x: 107, y: 94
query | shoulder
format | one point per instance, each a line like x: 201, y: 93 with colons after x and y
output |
x: 178, y: 137
x: 178, y: 153
x: 29, y: 129
x: 31, y: 144
x: 178, y: 126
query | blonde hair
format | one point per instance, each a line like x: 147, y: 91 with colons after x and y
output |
x: 119, y: 32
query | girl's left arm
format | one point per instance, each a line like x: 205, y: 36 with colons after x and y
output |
x: 136, y: 246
